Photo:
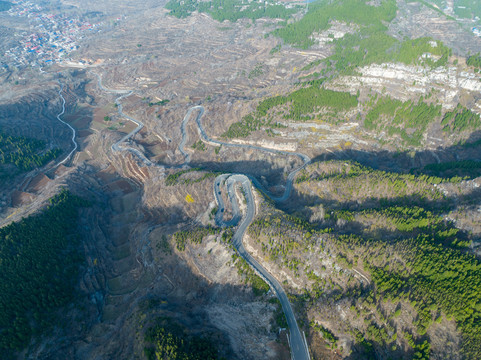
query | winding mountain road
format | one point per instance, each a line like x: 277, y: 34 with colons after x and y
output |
x: 74, y: 133
x: 299, y: 348
x: 298, y: 344
x: 116, y: 146
x: 290, y: 178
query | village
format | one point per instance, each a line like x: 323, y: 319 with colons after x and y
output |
x: 52, y: 37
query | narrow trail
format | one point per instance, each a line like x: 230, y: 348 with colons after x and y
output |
x: 298, y: 344
x: 74, y: 133
x: 26, y: 210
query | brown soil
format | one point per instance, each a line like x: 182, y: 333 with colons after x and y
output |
x: 20, y: 198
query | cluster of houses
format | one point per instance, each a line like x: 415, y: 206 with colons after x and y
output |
x: 51, y: 37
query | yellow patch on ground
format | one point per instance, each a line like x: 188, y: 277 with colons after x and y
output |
x: 12, y: 214
x: 189, y: 198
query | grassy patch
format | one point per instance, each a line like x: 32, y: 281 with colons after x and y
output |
x: 199, y: 145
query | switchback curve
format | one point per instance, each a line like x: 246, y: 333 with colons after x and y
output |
x: 298, y: 344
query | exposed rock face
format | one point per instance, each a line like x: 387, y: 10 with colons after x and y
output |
x: 290, y: 146
x: 402, y: 81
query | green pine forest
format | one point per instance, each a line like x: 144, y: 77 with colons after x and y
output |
x: 231, y: 10
x: 301, y: 105
x: 415, y: 258
x: 168, y: 339
x: 39, y: 266
x: 23, y: 153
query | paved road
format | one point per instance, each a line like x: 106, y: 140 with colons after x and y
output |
x: 299, y: 349
x: 303, y: 157
x: 116, y: 146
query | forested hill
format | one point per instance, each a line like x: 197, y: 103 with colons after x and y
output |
x: 19, y: 154
x: 231, y: 10
x: 39, y: 262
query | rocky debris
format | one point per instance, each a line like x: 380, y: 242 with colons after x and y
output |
x: 19, y: 198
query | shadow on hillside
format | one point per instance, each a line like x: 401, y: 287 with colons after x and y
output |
x: 404, y: 161
x: 469, y: 200
x: 264, y: 171
x: 399, y: 162
x: 166, y: 287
